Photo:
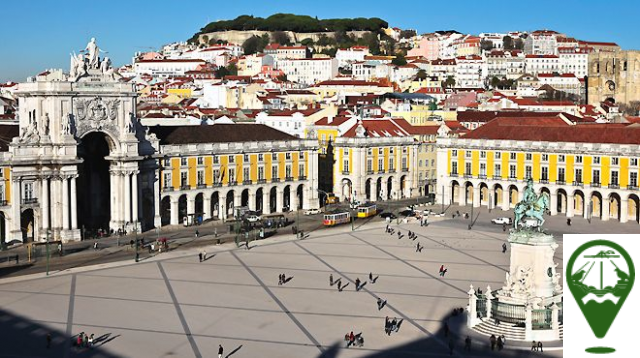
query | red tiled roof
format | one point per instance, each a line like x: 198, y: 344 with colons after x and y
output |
x: 348, y: 82
x: 173, y: 60
x: 338, y: 120
x: 554, y: 129
x: 390, y: 127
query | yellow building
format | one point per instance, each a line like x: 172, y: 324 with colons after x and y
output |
x: 210, y: 170
x: 588, y: 170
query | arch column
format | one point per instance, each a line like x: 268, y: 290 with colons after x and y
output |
x: 206, y: 206
x: 586, y: 204
x: 373, y: 190
x: 16, y: 201
x: 266, y: 205
x: 157, y: 218
x: 237, y: 199
x: 293, y: 199
x: 252, y: 200
x: 134, y: 197
x: 624, y: 209
x: 506, y: 195
x: 174, y: 211
x: 570, y: 205
x: 191, y: 204
x: 65, y: 203
x: 45, y: 203
x: 279, y: 199
x: 553, y: 203
x: 74, y: 203
x: 462, y: 195
x: 476, y: 196
x: 127, y: 197
x: 606, y: 206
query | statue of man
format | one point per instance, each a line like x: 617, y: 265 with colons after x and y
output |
x: 529, y: 193
x: 92, y: 52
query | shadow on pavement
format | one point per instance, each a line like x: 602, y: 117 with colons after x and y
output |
x: 22, y: 337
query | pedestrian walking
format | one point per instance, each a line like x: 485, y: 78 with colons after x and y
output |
x: 418, y: 247
x: 95, y: 245
x: 500, y: 343
x: 48, y: 340
x: 91, y: 340
x: 339, y: 286
x: 197, y: 234
x: 441, y: 269
x: 387, y: 228
x: 444, y: 272
x: 86, y: 340
x: 568, y: 222
x: 220, y: 350
x: 467, y: 344
x: 357, y: 284
x: 370, y: 277
x: 79, y: 340
x: 352, y: 339
x: 200, y: 256
x: 504, y: 227
x: 280, y: 279
x: 330, y: 279
x: 504, y: 247
x: 534, y: 346
x: 540, y: 347
x: 492, y: 341
x: 387, y: 328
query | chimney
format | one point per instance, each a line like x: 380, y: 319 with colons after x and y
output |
x: 330, y: 119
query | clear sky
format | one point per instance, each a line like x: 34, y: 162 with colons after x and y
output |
x: 40, y: 34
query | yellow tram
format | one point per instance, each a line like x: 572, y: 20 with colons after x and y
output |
x: 336, y: 217
x: 367, y: 210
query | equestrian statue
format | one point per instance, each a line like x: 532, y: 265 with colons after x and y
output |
x: 532, y: 206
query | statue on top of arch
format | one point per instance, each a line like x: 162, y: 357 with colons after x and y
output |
x: 89, y: 61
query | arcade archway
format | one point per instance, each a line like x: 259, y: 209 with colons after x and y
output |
x: 93, y: 185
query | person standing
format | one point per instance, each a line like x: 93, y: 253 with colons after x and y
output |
x: 370, y: 277
x: 504, y: 247
x: 492, y: 340
x: 467, y: 344
x: 534, y: 346
x: 540, y: 347
x: 91, y: 340
x: 204, y: 256
x: 330, y: 279
x: 200, y: 256
x: 450, y: 346
x: 220, y: 350
x: 197, y: 233
x: 358, y: 284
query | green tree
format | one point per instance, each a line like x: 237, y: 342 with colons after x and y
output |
x: 282, y: 78
x: 450, y: 82
x: 399, y: 60
x: 421, y: 75
x: 280, y: 37
x: 250, y: 46
x: 307, y: 42
x: 507, y: 43
x: 407, y: 34
x: 486, y: 45
x: 495, y: 82
x: 519, y: 44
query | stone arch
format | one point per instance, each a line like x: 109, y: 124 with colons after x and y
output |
x: 244, y: 198
x: 562, y: 200
x: 632, y: 208
x: 182, y: 208
x: 455, y: 191
x: 614, y: 206
x: 228, y: 204
x: 300, y: 195
x: 498, y: 193
x: 403, y: 187
x: 215, y: 205
x: 28, y: 225
x: 94, y: 192
x: 273, y: 199
x: 259, y: 200
x: 199, y: 206
x: 379, y: 195
x: 165, y: 211
x: 286, y: 198
x: 578, y: 203
x: 468, y: 193
x: 596, y: 204
x: 3, y: 229
x: 367, y: 189
x: 390, y: 192
x: 513, y: 195
x: 484, y: 194
x: 345, y: 189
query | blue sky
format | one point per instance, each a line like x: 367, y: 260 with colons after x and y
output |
x: 40, y: 34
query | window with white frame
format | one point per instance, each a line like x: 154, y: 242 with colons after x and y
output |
x: 467, y: 168
x: 200, y: 161
x: 301, y: 169
x: 167, y: 180
x: 287, y: 171
x: 369, y: 165
x: 216, y: 176
x: 454, y: 152
x: 578, y: 175
x: 483, y: 154
x: 200, y: 177
x: 528, y: 156
x: 596, y: 160
x: 615, y: 161
x: 454, y: 168
x: 260, y: 173
x: 512, y: 156
x: 633, y: 179
x: 380, y: 163
x: 633, y: 162
x: 287, y: 155
x: 274, y: 171
x: 345, y: 164
x: 260, y: 157
x: 183, y: 161
x: 579, y: 159
x: 545, y: 157
x: 245, y: 174
x: 391, y: 163
x: 614, y: 177
x: 467, y: 154
x: 528, y: 173
x: 232, y: 175
x: 232, y: 159
x: 404, y: 163
x: 544, y: 173
x: 483, y: 168
x: 497, y: 169
x: 561, y: 158
x: 245, y: 158
x: 27, y: 189
x: 216, y: 159
x: 512, y: 171
x: 561, y: 174
x: 596, y: 176
x: 184, y: 179
x: 498, y: 155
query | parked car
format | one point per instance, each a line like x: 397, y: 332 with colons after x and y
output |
x: 502, y: 221
x: 407, y: 213
x: 388, y: 215
x: 253, y: 218
x: 312, y: 212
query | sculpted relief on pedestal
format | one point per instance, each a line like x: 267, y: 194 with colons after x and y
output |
x: 96, y: 114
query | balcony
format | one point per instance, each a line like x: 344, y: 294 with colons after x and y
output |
x: 482, y: 176
x: 497, y: 177
x: 302, y: 177
x: 288, y: 179
x: 405, y: 169
x: 544, y: 181
x: 217, y: 185
x: 467, y: 176
x: 453, y: 174
x: 275, y: 180
x: 28, y: 201
x: 629, y: 187
x: 614, y: 186
x: 233, y: 183
x: 167, y: 189
x: 345, y: 172
x: 247, y: 182
x: 392, y: 170
x: 595, y: 185
x: 369, y: 172
x: 262, y: 181
x: 185, y: 187
x: 512, y: 178
x: 560, y: 182
x: 381, y: 171
x: 4, y: 202
x: 577, y: 183
x: 202, y: 186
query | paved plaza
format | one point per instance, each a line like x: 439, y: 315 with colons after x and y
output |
x: 175, y: 306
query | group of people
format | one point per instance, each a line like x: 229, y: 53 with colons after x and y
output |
x: 83, y: 340
x: 536, y: 346
x: 202, y: 255
x: 354, y: 339
x: 282, y: 279
x: 392, y: 325
x: 497, y: 342
x: 442, y: 271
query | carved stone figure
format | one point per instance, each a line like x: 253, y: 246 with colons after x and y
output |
x: 66, y: 124
x: 92, y: 51
x: 531, y: 206
x: 45, y: 124
x: 131, y: 126
x: 78, y: 66
x: 30, y: 133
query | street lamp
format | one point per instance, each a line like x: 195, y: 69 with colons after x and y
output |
x: 48, y: 234
x: 135, y: 228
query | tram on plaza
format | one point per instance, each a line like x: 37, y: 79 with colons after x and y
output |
x: 367, y: 210
x: 336, y: 217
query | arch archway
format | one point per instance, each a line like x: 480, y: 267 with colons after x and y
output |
x: 300, y: 194
x: 199, y: 205
x: 561, y: 206
x: 484, y: 194
x: 632, y: 208
x: 596, y: 205
x: 498, y: 193
x: 215, y: 205
x: 286, y: 198
x: 380, y: 189
x: 614, y: 206
x: 346, y: 189
x: 273, y: 199
x: 244, y: 198
x: 468, y: 193
x: 455, y: 192
x: 367, y: 189
x: 94, y: 182
x: 28, y: 225
x: 3, y: 229
x: 165, y: 211
x: 390, y: 188
x: 404, y: 193
x: 182, y: 208
x: 228, y: 204
x: 578, y: 203
x: 259, y: 196
x: 513, y: 195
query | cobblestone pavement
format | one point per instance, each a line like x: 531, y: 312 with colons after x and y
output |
x: 176, y: 306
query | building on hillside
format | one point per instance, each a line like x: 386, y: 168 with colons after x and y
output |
x: 294, y: 122
x: 279, y: 52
x: 166, y: 68
x: 350, y: 55
x: 252, y: 65
x: 587, y: 170
x: 566, y: 82
x: 308, y: 71
x: 535, y: 64
x: 542, y: 42
x: 470, y: 72
x: 614, y: 75
x: 504, y: 64
x: 349, y: 87
x: 574, y: 60
x: 428, y: 47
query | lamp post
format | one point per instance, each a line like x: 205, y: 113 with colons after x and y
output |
x: 48, y: 234
x: 135, y: 228
x: 442, y: 199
